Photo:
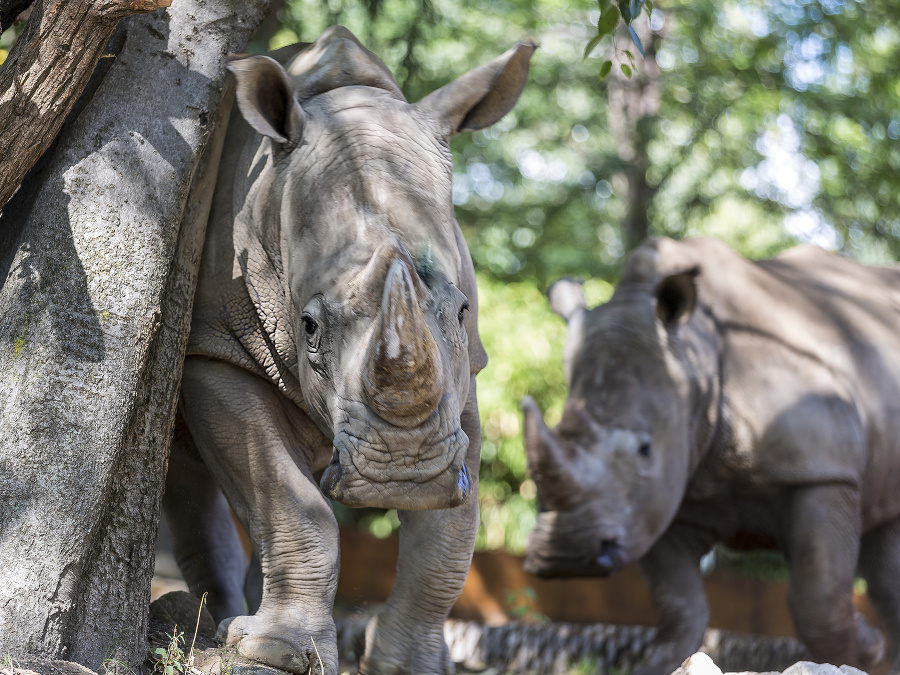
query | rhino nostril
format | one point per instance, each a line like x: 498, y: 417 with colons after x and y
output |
x: 610, y: 550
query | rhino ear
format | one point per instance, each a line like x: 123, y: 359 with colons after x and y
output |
x: 266, y: 100
x: 566, y: 297
x: 676, y: 296
x: 483, y: 95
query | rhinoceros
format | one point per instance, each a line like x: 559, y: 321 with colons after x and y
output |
x: 333, y: 352
x: 714, y: 399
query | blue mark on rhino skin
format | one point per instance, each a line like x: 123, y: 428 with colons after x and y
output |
x: 426, y: 265
x: 463, y: 482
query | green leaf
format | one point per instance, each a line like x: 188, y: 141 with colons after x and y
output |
x: 649, y: 6
x: 603, y: 6
x: 605, y: 67
x: 608, y: 21
x: 634, y: 8
x: 591, y: 45
x: 625, y: 10
x: 626, y: 70
x: 637, y: 41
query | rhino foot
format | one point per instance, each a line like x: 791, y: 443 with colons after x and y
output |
x: 871, y: 644
x: 400, y: 650
x: 283, y: 643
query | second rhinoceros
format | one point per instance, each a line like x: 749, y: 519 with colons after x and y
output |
x: 714, y: 399
x: 334, y: 343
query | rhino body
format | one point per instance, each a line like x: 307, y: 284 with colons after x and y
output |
x: 333, y: 353
x: 714, y: 399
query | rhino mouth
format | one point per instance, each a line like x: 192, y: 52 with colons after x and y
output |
x: 375, y: 464
x: 555, y: 566
x: 557, y: 549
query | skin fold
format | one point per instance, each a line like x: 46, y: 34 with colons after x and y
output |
x: 333, y: 352
x: 714, y: 399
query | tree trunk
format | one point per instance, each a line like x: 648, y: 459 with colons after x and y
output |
x: 47, y: 70
x: 98, y: 253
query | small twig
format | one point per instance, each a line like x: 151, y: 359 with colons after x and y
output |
x: 318, y: 658
x: 190, y: 660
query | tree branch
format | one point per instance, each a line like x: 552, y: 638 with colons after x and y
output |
x: 47, y: 70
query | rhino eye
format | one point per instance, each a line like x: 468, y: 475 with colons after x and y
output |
x: 311, y: 329
x: 645, y: 449
x: 462, y: 310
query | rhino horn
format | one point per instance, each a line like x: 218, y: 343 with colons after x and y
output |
x: 402, y: 378
x: 548, y: 460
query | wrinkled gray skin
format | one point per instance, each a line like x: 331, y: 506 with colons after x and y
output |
x: 334, y: 339
x: 714, y: 399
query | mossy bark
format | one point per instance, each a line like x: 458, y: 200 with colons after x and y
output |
x: 98, y: 258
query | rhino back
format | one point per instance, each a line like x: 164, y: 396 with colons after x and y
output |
x: 810, y: 371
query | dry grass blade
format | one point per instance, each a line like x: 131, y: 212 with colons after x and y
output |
x: 190, y: 659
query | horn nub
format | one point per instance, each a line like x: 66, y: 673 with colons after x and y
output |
x: 402, y: 378
x: 548, y: 462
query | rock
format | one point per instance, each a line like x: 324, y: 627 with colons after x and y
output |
x: 698, y: 664
x: 850, y: 670
x: 180, y: 608
x: 810, y: 668
x: 255, y: 669
x: 33, y: 665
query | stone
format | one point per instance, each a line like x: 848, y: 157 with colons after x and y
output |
x: 33, y: 665
x: 810, y: 668
x: 179, y: 608
x: 850, y: 670
x: 698, y: 664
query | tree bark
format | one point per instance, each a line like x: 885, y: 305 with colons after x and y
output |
x: 47, y: 70
x: 98, y: 257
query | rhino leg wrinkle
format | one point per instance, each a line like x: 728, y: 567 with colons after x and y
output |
x: 335, y: 333
x: 715, y: 399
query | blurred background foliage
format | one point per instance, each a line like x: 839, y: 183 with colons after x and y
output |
x: 762, y: 122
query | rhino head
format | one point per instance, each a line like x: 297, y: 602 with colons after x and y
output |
x: 362, y: 275
x: 611, y: 476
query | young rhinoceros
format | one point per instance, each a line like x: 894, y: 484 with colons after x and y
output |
x: 334, y: 339
x: 714, y: 399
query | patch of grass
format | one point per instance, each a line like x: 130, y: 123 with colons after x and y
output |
x: 226, y: 665
x: 112, y: 665
x: 171, y: 659
x: 766, y: 565
x: 587, y: 665
x: 521, y: 604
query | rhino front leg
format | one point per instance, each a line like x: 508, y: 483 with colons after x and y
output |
x: 823, y: 548
x: 672, y: 571
x: 436, y: 547
x: 259, y: 448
